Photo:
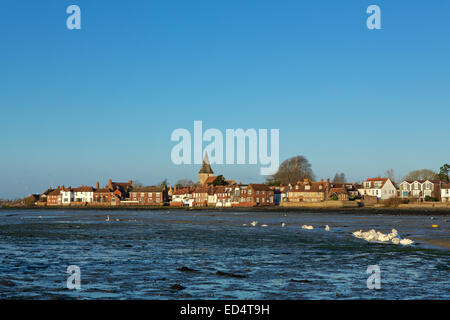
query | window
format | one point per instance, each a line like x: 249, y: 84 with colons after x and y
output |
x: 149, y: 194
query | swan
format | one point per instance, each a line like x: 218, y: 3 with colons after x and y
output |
x: 406, y: 242
x: 107, y: 218
x: 283, y: 225
x: 264, y: 225
x: 327, y: 228
x: 254, y: 223
x: 373, y: 235
x: 307, y: 227
x: 244, y: 225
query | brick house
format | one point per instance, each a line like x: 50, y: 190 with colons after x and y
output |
x: 54, y: 197
x: 105, y: 196
x: 339, y: 193
x: 309, y: 191
x: 255, y: 194
x: 151, y: 196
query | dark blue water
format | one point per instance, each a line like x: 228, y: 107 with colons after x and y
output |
x: 140, y: 255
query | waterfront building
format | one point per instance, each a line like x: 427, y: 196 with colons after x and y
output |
x: 309, y: 191
x: 83, y: 194
x: 149, y: 195
x: 445, y: 193
x: 382, y: 188
x: 421, y: 189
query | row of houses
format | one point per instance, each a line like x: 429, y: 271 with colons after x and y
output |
x: 215, y: 191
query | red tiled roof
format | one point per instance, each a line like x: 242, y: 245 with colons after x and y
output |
x: 83, y: 189
x: 55, y: 192
x: 210, y: 180
x: 259, y: 187
x: 182, y: 191
x: 147, y: 189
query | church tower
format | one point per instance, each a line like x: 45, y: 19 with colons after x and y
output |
x: 205, y: 171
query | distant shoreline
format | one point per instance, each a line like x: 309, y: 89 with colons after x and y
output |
x: 370, y: 210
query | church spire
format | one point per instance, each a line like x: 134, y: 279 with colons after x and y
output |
x: 206, y: 167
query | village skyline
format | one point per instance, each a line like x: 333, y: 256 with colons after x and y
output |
x: 80, y: 106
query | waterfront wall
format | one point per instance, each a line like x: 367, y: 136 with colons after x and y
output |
x: 321, y: 204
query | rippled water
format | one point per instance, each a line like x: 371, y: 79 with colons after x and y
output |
x: 140, y: 255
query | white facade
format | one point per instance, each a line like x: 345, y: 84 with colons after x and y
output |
x: 185, y: 198
x: 83, y: 196
x: 417, y: 189
x: 66, y: 196
x: 382, y: 188
x: 445, y: 193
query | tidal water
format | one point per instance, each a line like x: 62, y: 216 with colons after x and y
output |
x: 211, y: 255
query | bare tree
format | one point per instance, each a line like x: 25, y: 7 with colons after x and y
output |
x: 292, y: 170
x: 390, y: 174
x: 339, y: 178
x: 137, y: 184
x: 183, y: 183
x: 423, y: 174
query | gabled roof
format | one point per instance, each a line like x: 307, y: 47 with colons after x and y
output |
x: 55, y: 192
x: 147, y: 189
x: 423, y: 181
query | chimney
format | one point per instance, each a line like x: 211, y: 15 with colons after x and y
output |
x: 97, y: 185
x: 130, y: 181
x: 306, y: 180
x: 110, y: 183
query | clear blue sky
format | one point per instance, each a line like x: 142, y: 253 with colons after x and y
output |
x: 85, y: 105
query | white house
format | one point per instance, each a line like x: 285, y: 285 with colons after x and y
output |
x: 184, y: 196
x: 382, y: 188
x: 445, y: 193
x: 66, y: 195
x: 420, y: 189
x: 83, y: 194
